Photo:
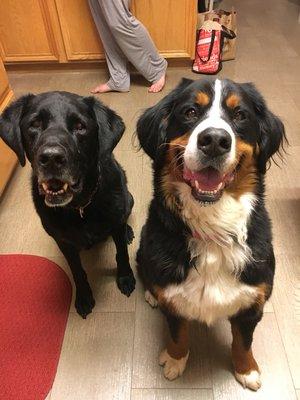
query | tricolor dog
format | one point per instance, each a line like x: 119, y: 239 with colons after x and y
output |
x: 206, y: 248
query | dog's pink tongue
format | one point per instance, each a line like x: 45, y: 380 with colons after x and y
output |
x: 208, y: 178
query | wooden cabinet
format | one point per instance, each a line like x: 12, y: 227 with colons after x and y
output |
x: 171, y: 24
x: 64, y: 30
x: 79, y: 32
x: 26, y: 31
x: 5, y: 90
x: 8, y: 159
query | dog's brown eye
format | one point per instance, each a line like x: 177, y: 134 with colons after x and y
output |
x: 78, y: 126
x: 239, y: 115
x: 190, y: 113
x: 36, y: 124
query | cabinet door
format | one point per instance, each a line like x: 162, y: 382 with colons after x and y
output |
x: 5, y: 90
x: 25, y: 31
x: 79, y: 32
x: 171, y: 24
x: 8, y: 159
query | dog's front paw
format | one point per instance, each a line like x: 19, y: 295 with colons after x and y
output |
x: 150, y: 299
x: 84, y: 302
x: 126, y: 284
x: 173, y: 368
x: 250, y: 380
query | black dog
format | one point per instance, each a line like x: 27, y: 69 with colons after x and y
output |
x: 79, y: 190
x: 206, y: 249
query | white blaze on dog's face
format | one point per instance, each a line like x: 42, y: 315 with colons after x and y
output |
x: 219, y: 134
x: 215, y: 120
x: 210, y: 154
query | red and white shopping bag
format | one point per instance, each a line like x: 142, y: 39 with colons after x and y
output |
x: 208, y: 50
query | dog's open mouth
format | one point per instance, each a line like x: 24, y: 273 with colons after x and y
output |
x: 207, y: 184
x: 57, y: 193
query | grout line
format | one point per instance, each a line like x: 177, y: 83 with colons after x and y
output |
x: 172, y: 388
x: 102, y: 312
x: 285, y: 352
x: 133, y: 340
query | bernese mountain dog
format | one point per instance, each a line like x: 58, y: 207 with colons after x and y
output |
x: 206, y: 248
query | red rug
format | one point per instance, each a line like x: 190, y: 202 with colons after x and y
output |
x: 35, y: 297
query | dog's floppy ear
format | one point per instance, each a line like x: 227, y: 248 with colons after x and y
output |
x: 10, y: 130
x: 151, y: 126
x: 271, y: 135
x: 110, y: 125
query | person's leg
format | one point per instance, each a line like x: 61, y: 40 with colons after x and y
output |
x: 116, y: 60
x: 135, y: 42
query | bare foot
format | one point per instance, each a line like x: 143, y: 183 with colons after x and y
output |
x: 158, y: 85
x: 102, y: 88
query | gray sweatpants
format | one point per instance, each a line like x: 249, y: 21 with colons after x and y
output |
x: 125, y: 39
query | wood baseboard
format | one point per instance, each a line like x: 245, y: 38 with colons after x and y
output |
x: 80, y: 66
x: 6, y: 98
x: 8, y: 159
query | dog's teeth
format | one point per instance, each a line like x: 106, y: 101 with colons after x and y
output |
x: 45, y: 187
x: 65, y: 187
x: 197, y: 185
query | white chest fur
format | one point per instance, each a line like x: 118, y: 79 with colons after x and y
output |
x: 212, y: 289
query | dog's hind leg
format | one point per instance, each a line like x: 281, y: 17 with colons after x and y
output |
x: 84, y: 302
x: 125, y: 277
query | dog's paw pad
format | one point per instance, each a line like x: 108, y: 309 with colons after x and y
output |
x: 126, y: 284
x: 172, y: 368
x: 150, y: 299
x: 250, y: 380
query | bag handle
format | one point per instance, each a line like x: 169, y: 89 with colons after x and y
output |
x: 228, y: 33
x: 210, y: 46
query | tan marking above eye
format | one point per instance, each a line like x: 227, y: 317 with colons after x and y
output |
x: 233, y: 100
x: 202, y: 99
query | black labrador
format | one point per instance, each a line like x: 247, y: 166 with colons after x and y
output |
x: 78, y: 188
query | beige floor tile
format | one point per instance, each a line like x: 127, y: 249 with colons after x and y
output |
x: 285, y: 174
x: 286, y: 303
x: 150, y: 338
x: 284, y: 209
x: 268, y: 349
x: 95, y: 362
x: 298, y: 394
x: 171, y: 394
x: 269, y: 307
x: 102, y: 279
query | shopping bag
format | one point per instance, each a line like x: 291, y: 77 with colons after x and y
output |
x: 210, y: 39
x: 208, y: 49
x: 227, y: 19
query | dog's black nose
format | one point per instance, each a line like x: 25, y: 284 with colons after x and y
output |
x: 214, y: 142
x: 52, y: 156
